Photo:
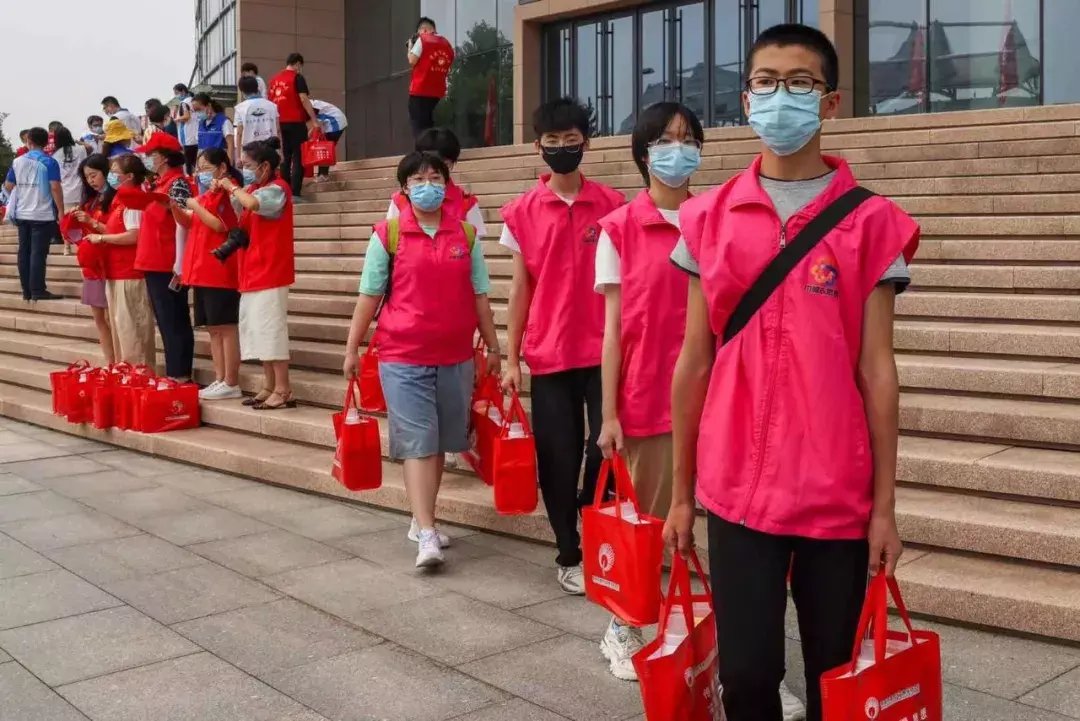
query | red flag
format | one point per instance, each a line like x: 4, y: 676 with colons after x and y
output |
x: 489, y: 114
x: 917, y: 78
x: 1010, y: 73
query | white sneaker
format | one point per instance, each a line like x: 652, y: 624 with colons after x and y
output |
x: 414, y: 535
x: 572, y: 580
x: 430, y: 555
x: 220, y: 391
x: 793, y: 707
x: 619, y: 645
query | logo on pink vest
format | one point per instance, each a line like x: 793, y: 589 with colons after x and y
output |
x: 458, y: 252
x: 592, y: 234
x: 824, y: 275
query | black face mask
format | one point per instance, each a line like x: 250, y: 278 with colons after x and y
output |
x: 565, y: 160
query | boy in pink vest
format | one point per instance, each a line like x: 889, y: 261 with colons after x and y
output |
x: 556, y: 321
x: 790, y: 427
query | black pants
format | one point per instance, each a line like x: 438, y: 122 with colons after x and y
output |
x: 749, y: 571
x: 191, y: 154
x: 422, y: 113
x: 293, y: 135
x: 334, y: 137
x: 33, y: 254
x: 173, y: 322
x: 560, y: 404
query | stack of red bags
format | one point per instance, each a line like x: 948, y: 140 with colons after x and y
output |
x: 125, y: 397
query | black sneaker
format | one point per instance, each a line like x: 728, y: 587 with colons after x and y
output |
x: 47, y: 296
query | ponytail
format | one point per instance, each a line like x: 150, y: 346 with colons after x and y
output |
x: 220, y: 156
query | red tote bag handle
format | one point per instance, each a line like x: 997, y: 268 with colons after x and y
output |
x: 78, y: 366
x: 624, y: 487
x: 516, y: 411
x: 352, y: 395
x: 875, y: 617
x: 680, y: 579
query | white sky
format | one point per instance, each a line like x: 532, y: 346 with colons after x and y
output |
x: 64, y: 56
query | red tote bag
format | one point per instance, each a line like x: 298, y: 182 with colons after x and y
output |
x: 485, y: 424
x: 166, y: 406
x: 892, y: 675
x: 371, y: 395
x: 513, y: 464
x: 677, y: 671
x: 58, y: 382
x: 102, y: 392
x: 78, y: 402
x: 123, y: 395
x: 318, y: 152
x: 623, y: 550
x: 358, y: 458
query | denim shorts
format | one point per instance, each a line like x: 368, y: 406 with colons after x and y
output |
x: 428, y: 407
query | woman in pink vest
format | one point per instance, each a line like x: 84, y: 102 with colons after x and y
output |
x: 645, y: 311
x: 785, y: 425
x: 432, y: 305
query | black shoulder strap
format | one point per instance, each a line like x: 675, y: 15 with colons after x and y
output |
x: 782, y: 265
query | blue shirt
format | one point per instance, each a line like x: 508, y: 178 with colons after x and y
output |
x: 32, y: 175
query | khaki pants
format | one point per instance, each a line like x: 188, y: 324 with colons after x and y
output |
x: 132, y: 319
x: 649, y: 459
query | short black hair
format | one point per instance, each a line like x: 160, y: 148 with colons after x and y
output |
x: 132, y: 165
x: 556, y: 116
x: 804, y: 36
x: 55, y: 125
x: 38, y: 136
x: 440, y: 141
x: 294, y: 58
x: 180, y: 88
x: 426, y: 21
x: 110, y: 100
x: 247, y: 85
x: 265, y: 151
x: 650, y: 127
x: 249, y: 68
x: 416, y: 161
x: 151, y: 103
x: 95, y: 119
x: 157, y: 114
x: 23, y: 133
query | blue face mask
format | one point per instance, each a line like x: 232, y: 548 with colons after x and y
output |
x: 428, y: 197
x: 785, y: 122
x: 249, y: 176
x: 673, y: 164
x: 113, y: 180
x: 204, y: 177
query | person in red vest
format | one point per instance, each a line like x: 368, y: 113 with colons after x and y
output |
x: 431, y: 56
x: 289, y: 91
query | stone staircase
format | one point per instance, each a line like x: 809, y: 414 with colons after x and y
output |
x: 988, y: 342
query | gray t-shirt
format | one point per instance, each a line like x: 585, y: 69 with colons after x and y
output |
x: 789, y: 197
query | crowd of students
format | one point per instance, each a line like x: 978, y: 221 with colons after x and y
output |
x: 784, y: 429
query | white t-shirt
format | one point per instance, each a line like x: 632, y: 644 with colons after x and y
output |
x: 262, y: 85
x: 70, y: 182
x: 474, y: 217
x: 608, y: 263
x: 418, y: 46
x: 189, y: 131
x: 507, y: 239
x: 127, y: 118
x: 257, y: 118
x: 330, y: 116
x: 132, y: 219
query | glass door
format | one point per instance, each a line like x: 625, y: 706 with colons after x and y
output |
x: 691, y: 79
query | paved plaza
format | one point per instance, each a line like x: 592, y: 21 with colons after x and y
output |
x: 135, y: 589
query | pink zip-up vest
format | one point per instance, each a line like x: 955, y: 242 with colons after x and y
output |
x: 430, y: 316
x: 565, y: 326
x: 653, y: 314
x: 784, y: 446
x: 457, y: 202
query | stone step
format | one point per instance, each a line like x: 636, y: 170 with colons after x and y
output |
x: 944, y: 335
x: 987, y: 468
x: 1029, y: 422
x: 998, y: 277
x: 996, y: 306
x: 999, y: 376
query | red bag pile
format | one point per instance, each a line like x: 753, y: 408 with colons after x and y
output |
x: 513, y: 463
x: 124, y: 397
x: 623, y: 550
x: 318, y: 151
x: 677, y: 671
x: 892, y: 675
x: 358, y: 458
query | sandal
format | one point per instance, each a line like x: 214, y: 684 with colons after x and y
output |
x: 257, y: 399
x: 287, y: 401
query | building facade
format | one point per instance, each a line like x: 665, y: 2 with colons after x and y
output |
x: 618, y: 56
x: 215, y: 52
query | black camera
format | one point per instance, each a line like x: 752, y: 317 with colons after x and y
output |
x: 238, y: 238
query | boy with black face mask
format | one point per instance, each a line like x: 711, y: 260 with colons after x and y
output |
x: 553, y: 230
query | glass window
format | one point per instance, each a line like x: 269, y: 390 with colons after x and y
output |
x: 620, y: 91
x: 587, y: 60
x: 811, y: 13
x: 771, y: 12
x: 655, y: 51
x: 896, y: 41
x: 727, y: 64
x: 558, y: 82
x: 505, y: 19
x: 476, y: 26
x: 1061, y: 23
x: 691, y: 77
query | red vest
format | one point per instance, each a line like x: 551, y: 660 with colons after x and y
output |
x: 156, y: 250
x: 201, y: 269
x: 430, y: 72
x: 430, y: 317
x: 119, y: 259
x: 282, y: 91
x: 91, y: 256
x: 565, y: 327
x: 458, y: 203
x: 268, y: 261
x: 653, y: 314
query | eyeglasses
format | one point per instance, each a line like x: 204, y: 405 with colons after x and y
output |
x: 574, y: 149
x: 798, y: 85
x: 669, y: 143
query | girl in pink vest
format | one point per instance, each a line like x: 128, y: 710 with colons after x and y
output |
x: 433, y: 304
x: 645, y: 301
x: 788, y: 430
x: 556, y: 320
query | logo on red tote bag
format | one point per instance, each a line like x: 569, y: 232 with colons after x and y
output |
x: 873, y: 708
x: 178, y: 412
x: 607, y: 557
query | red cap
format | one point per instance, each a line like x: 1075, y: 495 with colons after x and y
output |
x: 160, y: 141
